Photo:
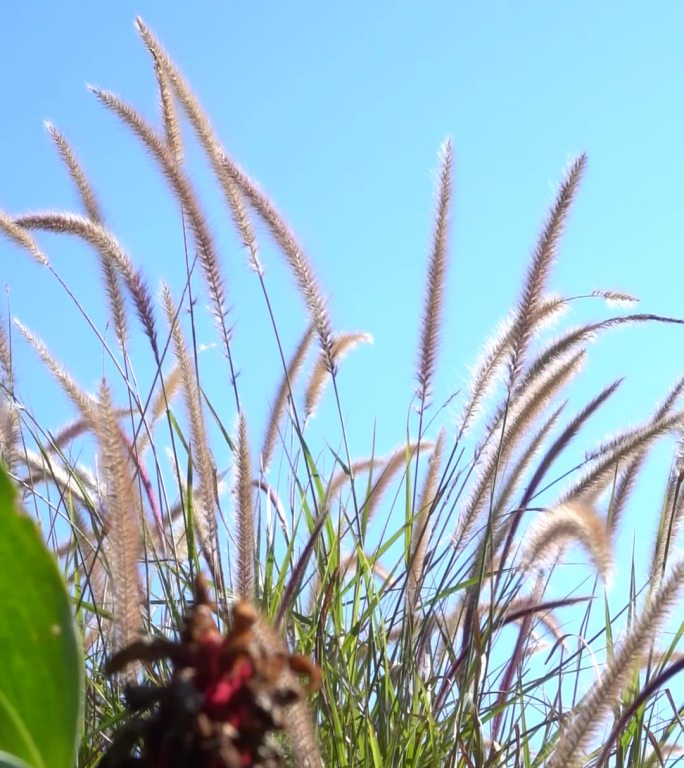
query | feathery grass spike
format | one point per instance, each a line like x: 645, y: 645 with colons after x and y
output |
x: 201, y: 455
x: 488, y: 368
x: 21, y: 237
x: 296, y: 258
x: 244, y: 512
x: 586, y: 718
x: 110, y: 252
x: 83, y: 402
x: 434, y: 294
x: 169, y: 115
x: 284, y: 392
x: 573, y: 521
x: 420, y: 535
x: 342, y: 345
x: 540, y: 268
x: 122, y: 524
x: 183, y: 189
x: 208, y: 139
x: 85, y: 190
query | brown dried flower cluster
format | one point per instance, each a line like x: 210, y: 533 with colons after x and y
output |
x: 227, y: 695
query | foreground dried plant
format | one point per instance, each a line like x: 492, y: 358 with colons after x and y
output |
x: 226, y: 697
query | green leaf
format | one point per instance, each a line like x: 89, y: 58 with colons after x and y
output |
x: 41, y: 683
x: 9, y: 761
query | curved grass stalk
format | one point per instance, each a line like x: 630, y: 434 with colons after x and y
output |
x: 283, y: 393
x: 342, y: 345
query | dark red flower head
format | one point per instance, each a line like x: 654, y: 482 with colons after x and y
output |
x: 226, y: 697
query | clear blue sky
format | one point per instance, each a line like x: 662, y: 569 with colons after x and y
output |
x: 338, y: 110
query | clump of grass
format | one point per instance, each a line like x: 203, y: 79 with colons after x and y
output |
x: 427, y: 620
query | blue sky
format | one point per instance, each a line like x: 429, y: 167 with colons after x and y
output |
x: 339, y: 111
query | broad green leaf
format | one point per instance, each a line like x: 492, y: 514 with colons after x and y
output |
x: 9, y: 761
x: 41, y: 684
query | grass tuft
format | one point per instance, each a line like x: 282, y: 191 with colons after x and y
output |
x: 447, y: 591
